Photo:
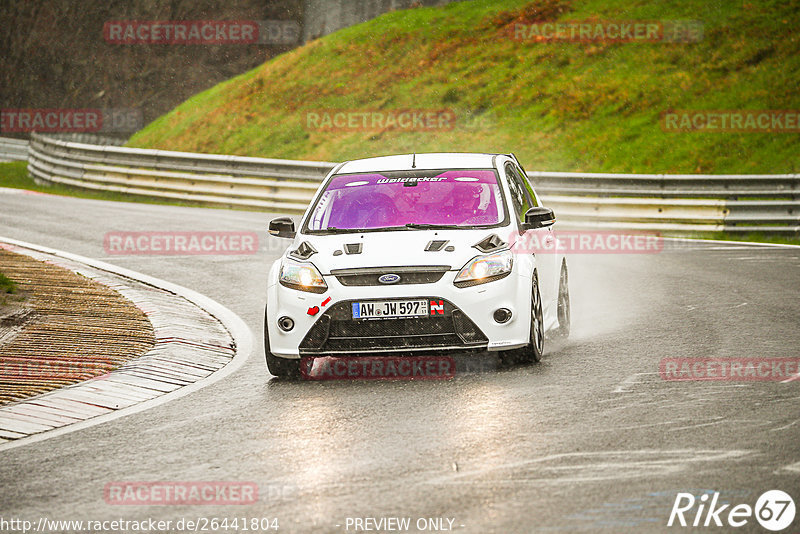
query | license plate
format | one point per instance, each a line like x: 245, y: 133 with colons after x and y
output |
x: 387, y: 309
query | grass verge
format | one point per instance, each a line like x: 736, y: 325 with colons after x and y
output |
x: 751, y: 237
x: 15, y: 175
x: 8, y: 292
x: 7, y: 285
x: 562, y: 106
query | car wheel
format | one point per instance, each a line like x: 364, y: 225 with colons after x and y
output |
x: 532, y: 352
x: 564, y: 317
x: 536, y: 348
x: 280, y: 367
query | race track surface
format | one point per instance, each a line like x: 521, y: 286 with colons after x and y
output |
x: 590, y: 439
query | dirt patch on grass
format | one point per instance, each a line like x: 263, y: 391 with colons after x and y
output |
x: 538, y: 11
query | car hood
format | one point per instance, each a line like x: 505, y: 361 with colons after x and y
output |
x: 396, y: 249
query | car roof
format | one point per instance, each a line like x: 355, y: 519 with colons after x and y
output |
x: 402, y: 162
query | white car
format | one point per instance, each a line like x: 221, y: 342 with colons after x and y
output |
x: 412, y: 254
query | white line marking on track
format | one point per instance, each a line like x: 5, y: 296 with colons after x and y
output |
x: 591, y: 466
x: 791, y: 379
x: 784, y: 427
x: 716, y: 422
x: 795, y: 467
x: 630, y: 381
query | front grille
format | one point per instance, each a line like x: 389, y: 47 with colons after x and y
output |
x: 408, y: 275
x: 336, y: 332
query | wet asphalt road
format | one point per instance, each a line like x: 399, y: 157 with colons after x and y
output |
x: 590, y: 439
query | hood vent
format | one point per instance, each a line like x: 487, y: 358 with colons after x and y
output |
x: 352, y: 248
x: 490, y: 243
x: 436, y: 245
x: 303, y: 252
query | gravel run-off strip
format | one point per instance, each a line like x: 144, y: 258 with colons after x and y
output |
x: 140, y: 343
x: 68, y: 329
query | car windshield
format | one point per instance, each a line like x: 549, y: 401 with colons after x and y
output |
x: 408, y: 199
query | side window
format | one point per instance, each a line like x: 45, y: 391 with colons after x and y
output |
x: 519, y: 188
x: 528, y: 188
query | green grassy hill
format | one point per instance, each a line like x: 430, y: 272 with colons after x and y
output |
x: 558, y: 105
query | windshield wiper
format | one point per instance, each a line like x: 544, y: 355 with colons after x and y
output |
x: 334, y: 230
x: 425, y: 226
x: 414, y: 226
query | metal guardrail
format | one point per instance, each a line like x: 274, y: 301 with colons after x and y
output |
x: 234, y: 181
x: 676, y: 204
x: 13, y: 149
x: 768, y: 203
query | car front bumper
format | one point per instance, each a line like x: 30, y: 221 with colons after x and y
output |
x: 323, y: 323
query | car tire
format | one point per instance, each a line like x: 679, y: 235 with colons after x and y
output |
x: 564, y: 310
x: 280, y: 367
x: 532, y: 352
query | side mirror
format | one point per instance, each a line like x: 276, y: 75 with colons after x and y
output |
x: 538, y: 217
x: 282, y: 227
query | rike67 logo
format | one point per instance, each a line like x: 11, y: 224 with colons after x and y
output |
x: 774, y: 510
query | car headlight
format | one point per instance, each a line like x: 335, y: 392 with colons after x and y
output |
x: 482, y: 269
x: 302, y: 276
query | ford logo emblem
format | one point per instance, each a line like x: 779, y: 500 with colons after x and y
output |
x: 389, y: 278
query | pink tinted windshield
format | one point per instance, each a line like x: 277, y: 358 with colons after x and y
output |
x: 459, y: 197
